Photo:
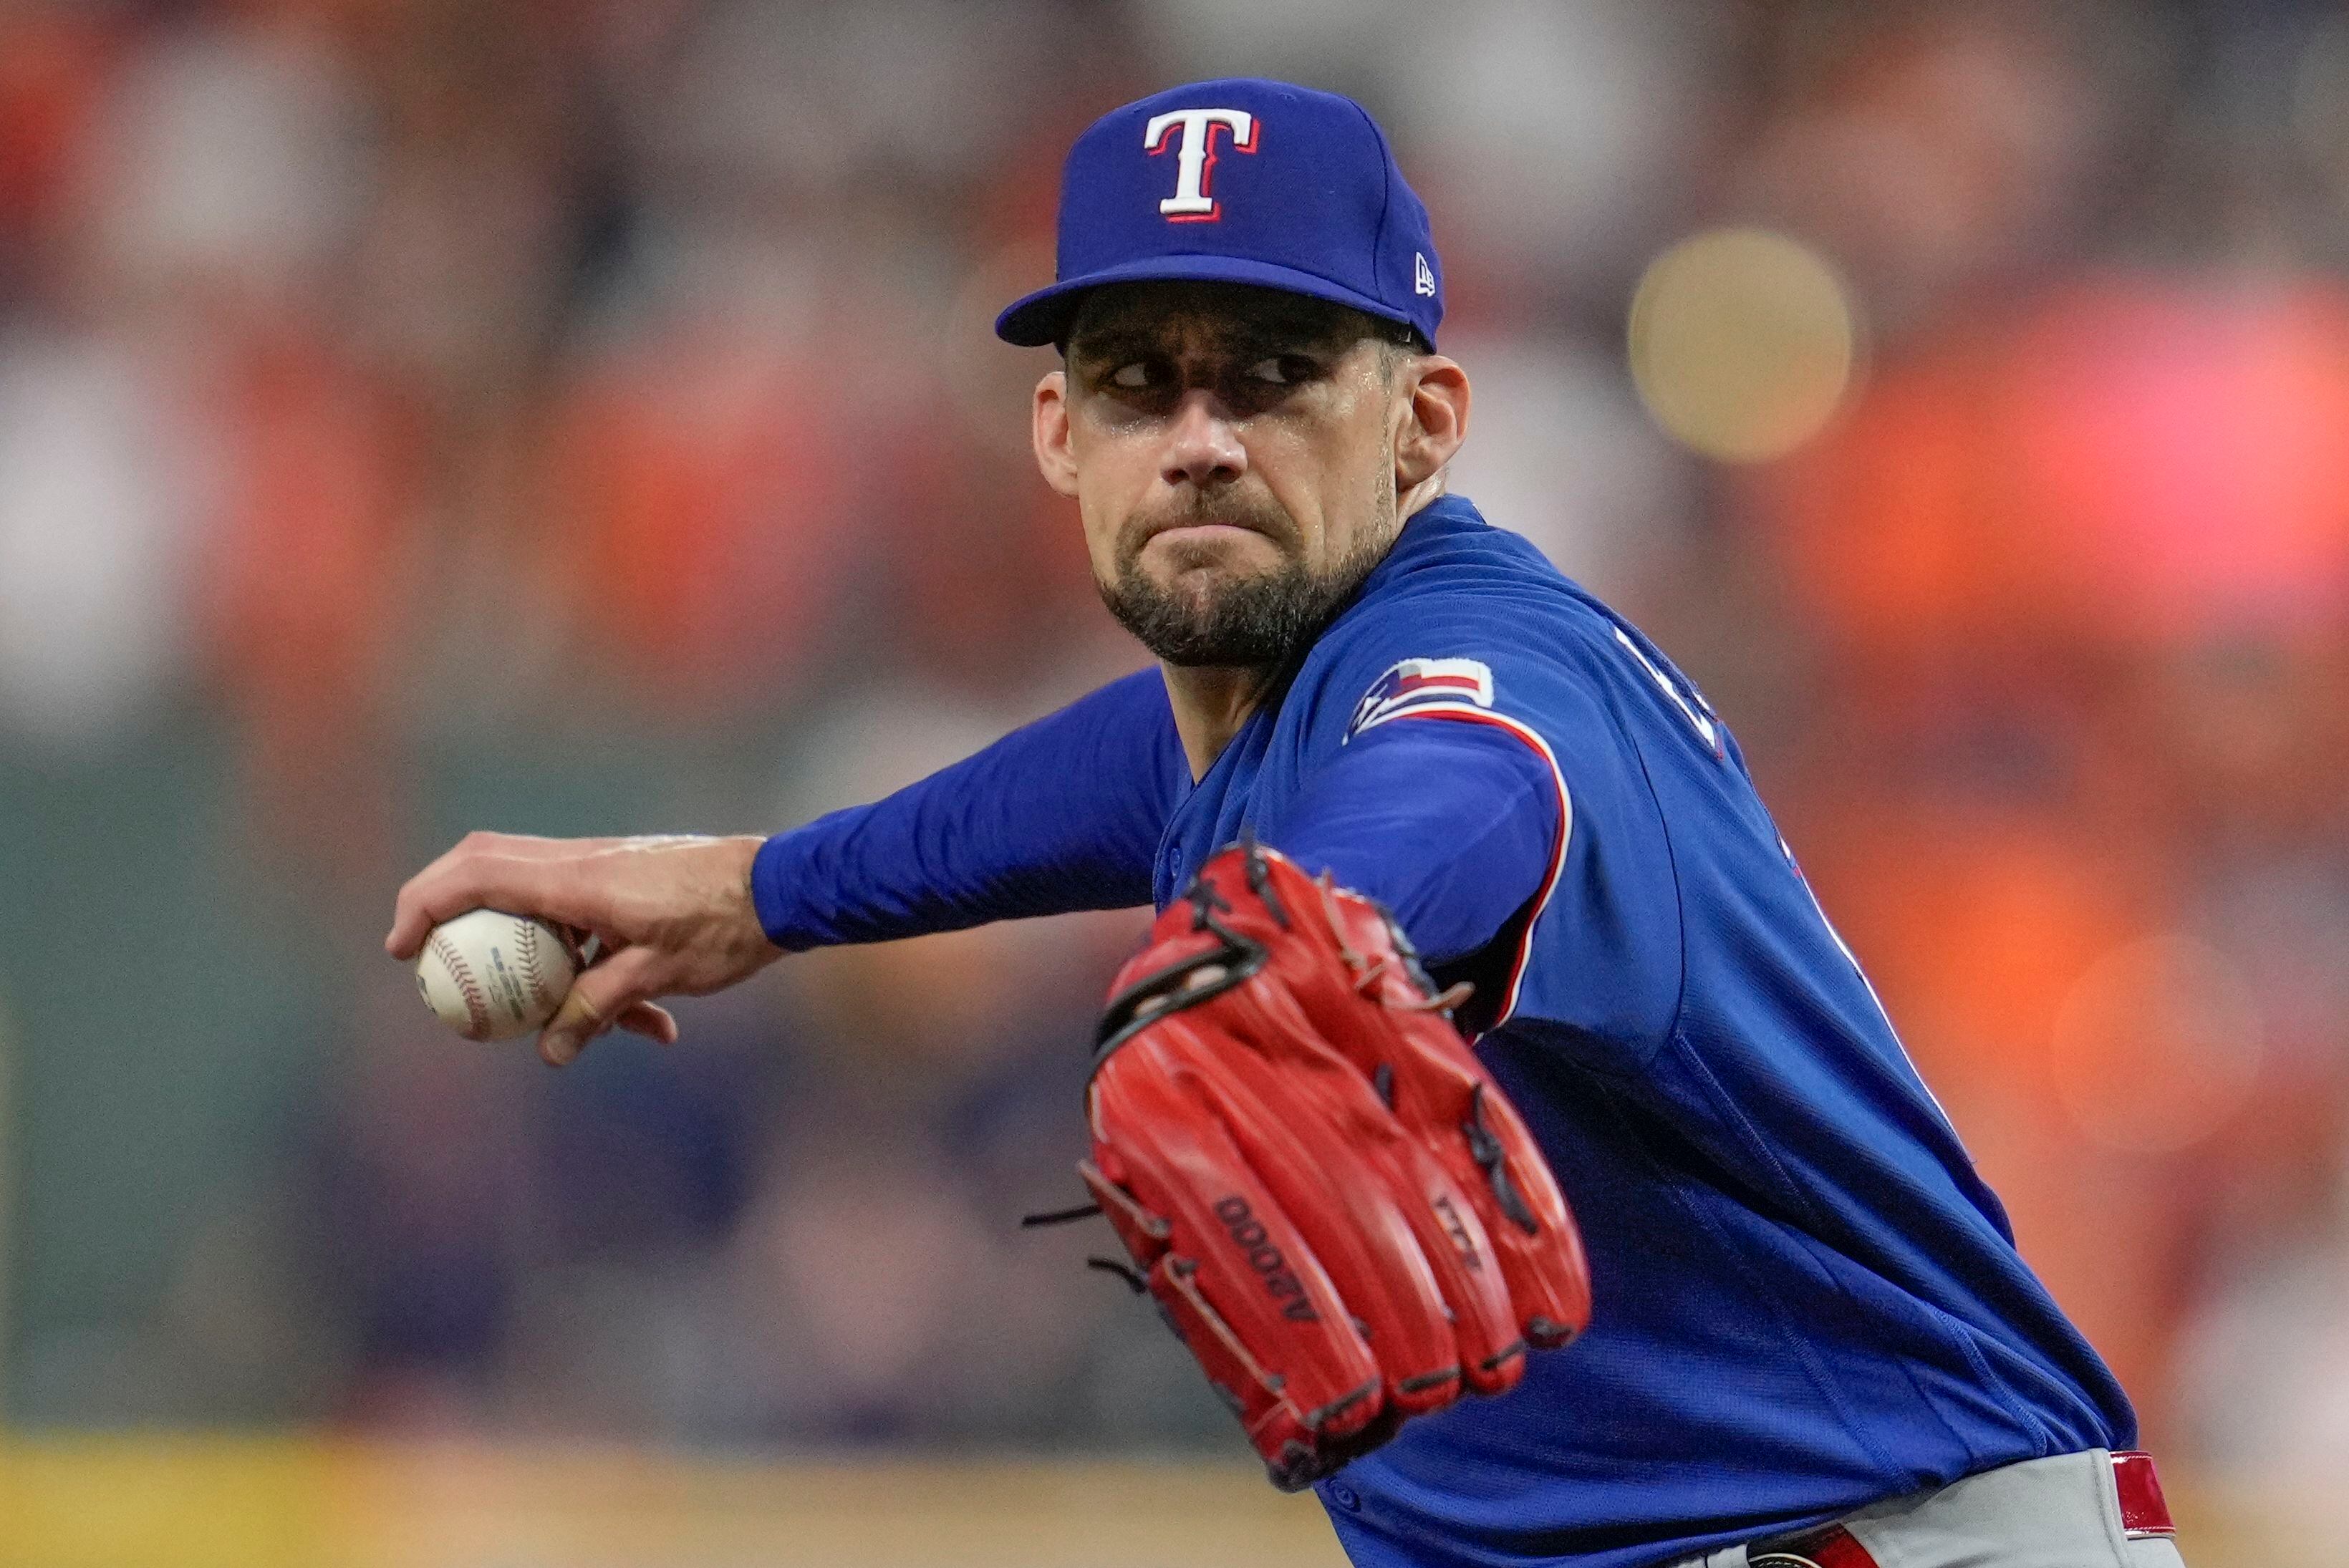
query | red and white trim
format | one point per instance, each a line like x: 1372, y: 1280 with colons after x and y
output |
x: 1467, y: 713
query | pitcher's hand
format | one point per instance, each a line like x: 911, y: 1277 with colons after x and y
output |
x: 674, y: 913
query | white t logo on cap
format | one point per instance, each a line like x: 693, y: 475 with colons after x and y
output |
x: 1194, y: 156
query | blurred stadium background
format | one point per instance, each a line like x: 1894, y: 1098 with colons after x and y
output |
x: 579, y: 416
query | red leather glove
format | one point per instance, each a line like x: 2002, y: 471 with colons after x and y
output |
x: 1337, y: 1208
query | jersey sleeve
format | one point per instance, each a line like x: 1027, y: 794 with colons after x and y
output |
x: 1063, y: 814
x: 1567, y: 841
x: 1452, y: 827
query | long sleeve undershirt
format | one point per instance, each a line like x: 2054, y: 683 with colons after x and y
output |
x: 1061, y: 814
x: 1451, y: 825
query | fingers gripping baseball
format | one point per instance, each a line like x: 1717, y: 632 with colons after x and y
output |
x: 522, y: 875
x: 616, y: 994
x: 674, y: 917
x: 1331, y: 1199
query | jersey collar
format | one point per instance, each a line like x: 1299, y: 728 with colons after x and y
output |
x: 1425, y: 532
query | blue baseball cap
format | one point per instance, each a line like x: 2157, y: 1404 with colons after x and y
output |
x: 1240, y: 181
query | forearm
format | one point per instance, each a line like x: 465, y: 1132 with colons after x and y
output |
x: 1061, y: 815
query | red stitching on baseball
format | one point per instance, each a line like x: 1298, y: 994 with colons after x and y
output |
x: 526, y: 960
x: 477, y: 1005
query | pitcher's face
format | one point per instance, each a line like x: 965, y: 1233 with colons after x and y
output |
x: 1231, y: 453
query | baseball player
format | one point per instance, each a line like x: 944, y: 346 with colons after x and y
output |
x: 1397, y: 786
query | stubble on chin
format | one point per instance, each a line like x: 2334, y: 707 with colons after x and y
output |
x: 1205, y: 609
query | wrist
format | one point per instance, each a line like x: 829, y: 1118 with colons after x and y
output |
x: 742, y: 879
x: 773, y: 877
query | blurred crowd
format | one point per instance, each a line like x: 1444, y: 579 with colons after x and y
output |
x: 580, y: 415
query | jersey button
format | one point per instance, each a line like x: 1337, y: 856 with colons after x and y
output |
x: 1344, y: 1496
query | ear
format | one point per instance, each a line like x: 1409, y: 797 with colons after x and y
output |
x: 1432, y: 421
x: 1049, y: 433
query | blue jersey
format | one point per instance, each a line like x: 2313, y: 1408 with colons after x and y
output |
x: 1804, y: 1298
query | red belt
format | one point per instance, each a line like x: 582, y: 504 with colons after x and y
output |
x: 2144, y: 1512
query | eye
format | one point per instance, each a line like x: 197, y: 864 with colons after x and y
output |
x: 1274, y: 371
x: 1133, y: 376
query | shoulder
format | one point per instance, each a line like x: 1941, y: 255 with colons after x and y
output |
x: 1470, y: 623
x: 1464, y: 615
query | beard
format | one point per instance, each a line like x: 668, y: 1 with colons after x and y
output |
x: 1209, y: 618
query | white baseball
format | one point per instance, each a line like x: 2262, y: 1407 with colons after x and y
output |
x: 491, y: 975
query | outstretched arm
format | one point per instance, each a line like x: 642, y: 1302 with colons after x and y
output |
x: 1061, y: 815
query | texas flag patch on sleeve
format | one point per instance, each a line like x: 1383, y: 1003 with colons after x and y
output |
x: 1417, y: 684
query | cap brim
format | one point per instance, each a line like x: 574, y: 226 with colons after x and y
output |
x: 1034, y: 320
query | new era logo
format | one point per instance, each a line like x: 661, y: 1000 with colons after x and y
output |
x: 1422, y: 278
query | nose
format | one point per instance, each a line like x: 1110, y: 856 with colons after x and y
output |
x: 1203, y: 449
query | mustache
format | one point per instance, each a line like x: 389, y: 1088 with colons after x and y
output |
x: 1257, y: 514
